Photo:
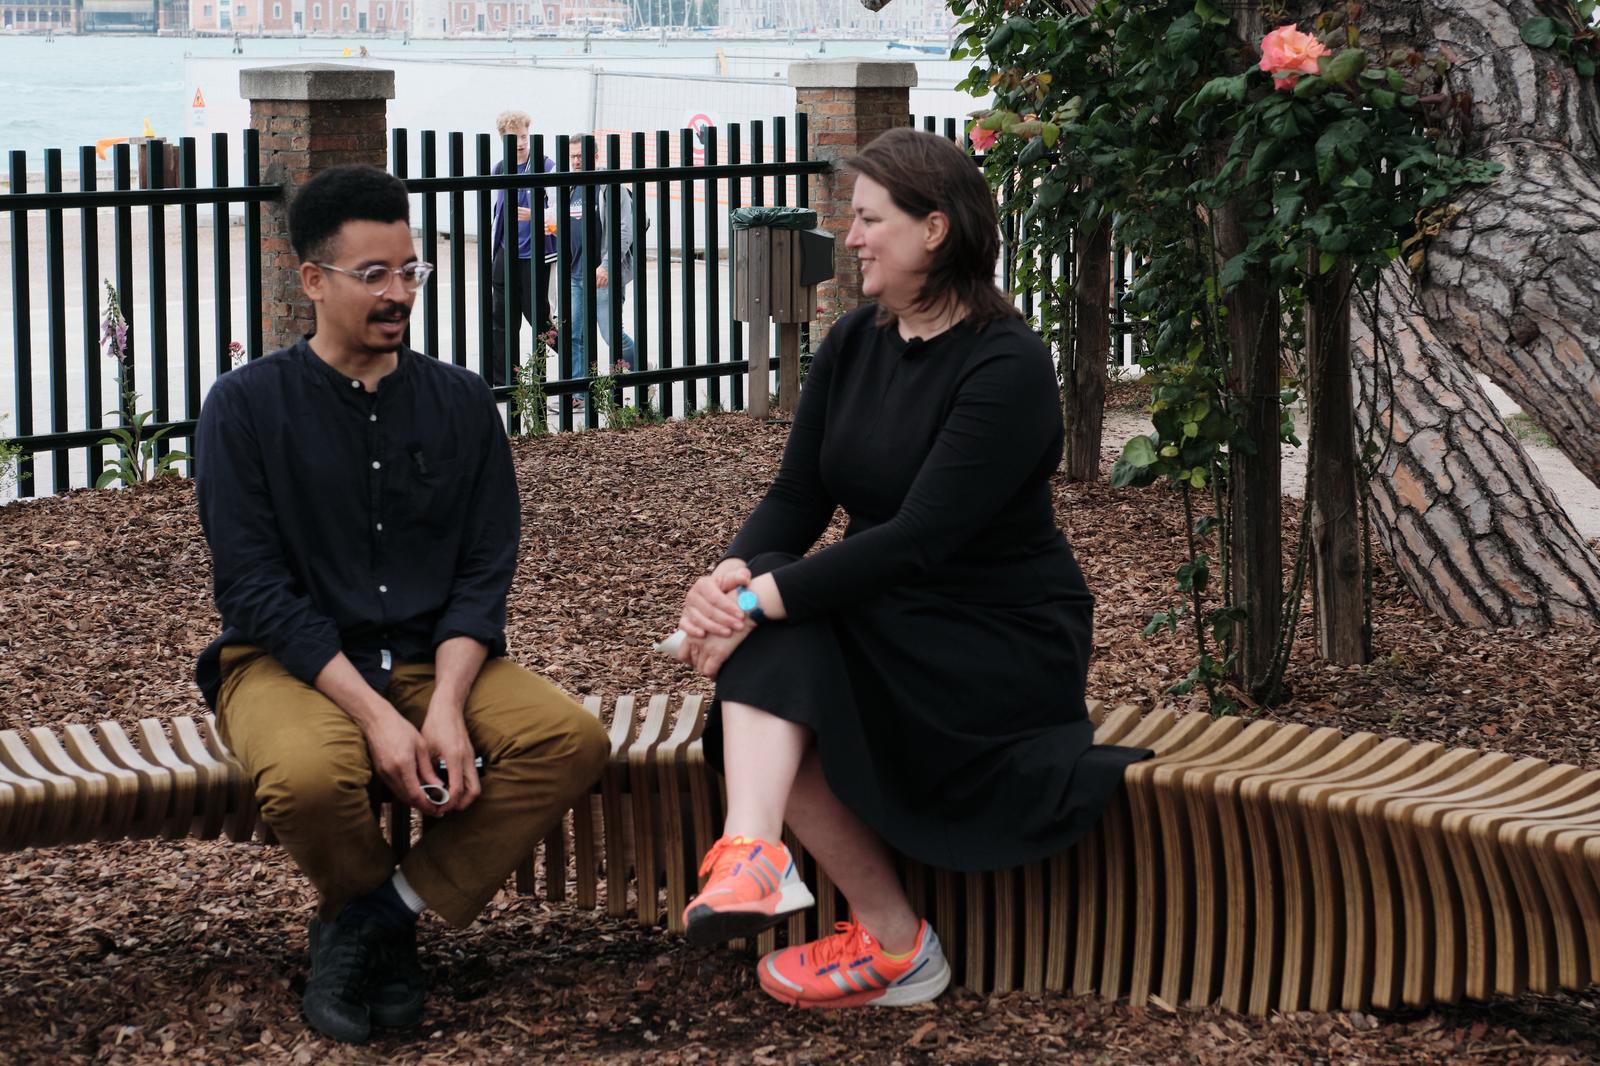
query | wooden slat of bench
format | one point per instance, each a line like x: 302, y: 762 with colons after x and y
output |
x: 1360, y: 948
x: 59, y: 814
x: 1547, y: 915
x: 240, y: 824
x: 215, y: 779
x: 156, y: 783
x: 123, y: 800
x: 1383, y: 865
x: 22, y: 806
x: 95, y: 791
x: 154, y: 746
x: 1119, y: 908
x: 613, y: 781
x: 679, y: 849
x: 1089, y: 884
x: 1573, y: 964
x: 1256, y: 918
x: 1305, y: 889
x: 1171, y: 953
x: 1149, y: 866
x: 646, y: 826
x: 1485, y: 881
x: 1430, y: 896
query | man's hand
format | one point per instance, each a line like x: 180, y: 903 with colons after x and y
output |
x: 444, y: 736
x: 400, y: 759
x: 524, y: 214
x: 601, y: 277
x: 710, y: 609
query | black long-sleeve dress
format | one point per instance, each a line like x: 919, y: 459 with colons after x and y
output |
x: 939, y: 650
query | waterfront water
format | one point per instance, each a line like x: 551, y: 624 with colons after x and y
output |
x: 77, y: 89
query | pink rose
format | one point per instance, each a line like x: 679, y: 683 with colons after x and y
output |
x: 982, y: 139
x: 1286, y: 53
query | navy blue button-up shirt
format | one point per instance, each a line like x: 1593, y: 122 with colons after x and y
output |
x: 379, y: 524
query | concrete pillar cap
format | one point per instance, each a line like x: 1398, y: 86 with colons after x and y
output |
x: 852, y: 74
x: 316, y: 81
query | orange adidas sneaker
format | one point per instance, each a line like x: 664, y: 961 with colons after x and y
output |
x: 753, y: 885
x: 851, y: 969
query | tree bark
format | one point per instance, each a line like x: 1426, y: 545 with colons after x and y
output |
x: 1332, y: 485
x: 1091, y: 353
x: 1513, y: 282
x: 1472, y: 526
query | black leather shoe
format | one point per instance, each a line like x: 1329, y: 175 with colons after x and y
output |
x: 342, y: 960
x: 398, y: 986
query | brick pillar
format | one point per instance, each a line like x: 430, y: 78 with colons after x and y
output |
x: 310, y: 116
x: 847, y: 103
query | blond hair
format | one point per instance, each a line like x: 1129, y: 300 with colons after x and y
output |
x: 512, y: 122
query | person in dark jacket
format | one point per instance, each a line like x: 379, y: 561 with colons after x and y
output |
x: 517, y: 123
x: 918, y: 686
x: 362, y: 513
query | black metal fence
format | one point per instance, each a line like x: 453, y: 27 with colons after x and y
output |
x: 59, y: 394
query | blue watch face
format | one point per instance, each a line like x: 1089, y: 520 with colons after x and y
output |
x: 748, y: 601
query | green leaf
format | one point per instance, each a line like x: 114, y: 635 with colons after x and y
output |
x: 1584, y: 65
x: 1326, y: 262
x: 1344, y: 66
x: 1050, y: 133
x: 1140, y: 451
x: 1338, y: 142
x: 1540, y: 32
x: 1032, y: 152
x: 1383, y: 98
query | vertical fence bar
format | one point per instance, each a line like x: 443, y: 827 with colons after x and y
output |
x: 21, y: 322
x: 430, y: 242
x: 458, y: 253
x: 89, y: 239
x: 221, y: 256
x: 802, y: 198
x: 616, y: 284
x: 1008, y: 243
x: 155, y: 168
x: 641, y: 289
x: 56, y: 320
x: 735, y: 330
x: 122, y: 179
x: 399, y: 166
x: 950, y: 131
x: 780, y: 154
x: 252, y: 246
x: 593, y: 259
x: 564, y: 193
x: 664, y: 267
x: 758, y: 197
x: 713, y: 274
x: 189, y: 267
x: 484, y: 150
x: 691, y: 386
x: 930, y: 123
x: 538, y: 269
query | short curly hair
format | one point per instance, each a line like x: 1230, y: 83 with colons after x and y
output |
x: 511, y: 121
x: 339, y: 195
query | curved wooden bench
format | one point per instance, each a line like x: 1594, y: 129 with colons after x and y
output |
x: 1253, y: 865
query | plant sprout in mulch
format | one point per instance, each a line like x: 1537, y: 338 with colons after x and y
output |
x: 140, y: 952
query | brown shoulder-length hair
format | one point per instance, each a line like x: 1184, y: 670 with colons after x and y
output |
x: 924, y: 173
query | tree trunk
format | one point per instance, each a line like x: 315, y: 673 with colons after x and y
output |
x: 1332, y: 485
x: 1470, y: 523
x: 1091, y: 353
x: 1513, y: 282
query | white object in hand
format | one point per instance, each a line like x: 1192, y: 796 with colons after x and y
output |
x: 670, y: 644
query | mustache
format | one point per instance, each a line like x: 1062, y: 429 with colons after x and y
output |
x: 389, y: 312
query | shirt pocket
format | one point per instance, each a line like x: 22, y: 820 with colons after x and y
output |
x: 432, y: 491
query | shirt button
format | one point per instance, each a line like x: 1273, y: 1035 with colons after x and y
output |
x: 383, y: 588
x: 376, y: 464
x: 380, y: 527
x: 372, y: 418
x: 355, y: 384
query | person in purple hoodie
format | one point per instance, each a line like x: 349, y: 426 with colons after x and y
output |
x: 516, y: 123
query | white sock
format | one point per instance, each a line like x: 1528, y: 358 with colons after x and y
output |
x: 407, y: 894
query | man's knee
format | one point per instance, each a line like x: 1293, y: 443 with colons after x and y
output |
x: 567, y: 742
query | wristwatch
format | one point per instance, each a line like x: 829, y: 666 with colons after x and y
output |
x: 750, y: 604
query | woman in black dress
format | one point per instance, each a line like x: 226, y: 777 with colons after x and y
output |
x: 917, y: 687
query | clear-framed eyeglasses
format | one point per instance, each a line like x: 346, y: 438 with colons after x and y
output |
x: 377, y: 279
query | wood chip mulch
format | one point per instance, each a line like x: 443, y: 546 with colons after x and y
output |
x: 138, y: 952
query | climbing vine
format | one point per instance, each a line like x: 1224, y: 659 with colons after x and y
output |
x: 1159, y: 116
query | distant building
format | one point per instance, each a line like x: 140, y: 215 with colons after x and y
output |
x: 38, y: 15
x: 119, y: 16
x: 900, y: 18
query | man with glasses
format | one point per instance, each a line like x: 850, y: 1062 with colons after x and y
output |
x: 362, y: 513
